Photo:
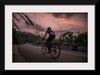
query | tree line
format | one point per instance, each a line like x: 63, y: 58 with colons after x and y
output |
x: 66, y: 39
x: 69, y: 39
x: 25, y: 37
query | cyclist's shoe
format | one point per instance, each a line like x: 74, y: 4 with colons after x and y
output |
x: 49, y: 51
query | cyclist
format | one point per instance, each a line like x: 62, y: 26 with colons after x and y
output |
x: 50, y: 38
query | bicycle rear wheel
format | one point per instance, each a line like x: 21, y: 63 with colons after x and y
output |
x: 55, y: 51
x: 43, y: 49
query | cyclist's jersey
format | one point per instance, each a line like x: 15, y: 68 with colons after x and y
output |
x: 50, y: 32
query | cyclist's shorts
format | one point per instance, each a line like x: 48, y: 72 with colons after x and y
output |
x: 51, y: 37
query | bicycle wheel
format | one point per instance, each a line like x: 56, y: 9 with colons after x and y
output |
x: 55, y: 51
x: 43, y: 49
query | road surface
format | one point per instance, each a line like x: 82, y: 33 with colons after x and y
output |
x: 33, y: 54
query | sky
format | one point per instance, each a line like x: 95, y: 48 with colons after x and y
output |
x: 59, y: 22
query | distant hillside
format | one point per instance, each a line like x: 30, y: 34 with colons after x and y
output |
x: 24, y: 37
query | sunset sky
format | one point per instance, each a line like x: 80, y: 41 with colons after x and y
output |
x: 59, y: 22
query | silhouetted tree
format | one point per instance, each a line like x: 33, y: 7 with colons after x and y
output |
x: 74, y: 40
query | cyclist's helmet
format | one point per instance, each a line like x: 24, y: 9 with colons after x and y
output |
x: 49, y: 28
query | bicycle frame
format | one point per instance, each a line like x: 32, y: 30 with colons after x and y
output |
x: 54, y: 50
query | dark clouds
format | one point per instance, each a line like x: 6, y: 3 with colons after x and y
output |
x: 38, y: 27
x: 69, y: 15
x: 62, y: 15
x: 59, y: 22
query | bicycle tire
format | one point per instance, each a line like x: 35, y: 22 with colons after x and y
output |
x: 43, y: 49
x: 55, y: 51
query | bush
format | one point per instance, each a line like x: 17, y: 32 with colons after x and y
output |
x: 69, y: 39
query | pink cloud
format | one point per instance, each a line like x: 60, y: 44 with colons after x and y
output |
x: 76, y: 22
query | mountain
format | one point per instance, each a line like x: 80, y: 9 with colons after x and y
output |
x: 24, y: 37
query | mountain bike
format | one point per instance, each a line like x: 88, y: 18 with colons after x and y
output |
x: 55, y: 49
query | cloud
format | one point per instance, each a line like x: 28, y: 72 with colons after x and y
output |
x: 63, y: 15
x: 69, y: 15
x: 59, y: 22
x: 38, y: 27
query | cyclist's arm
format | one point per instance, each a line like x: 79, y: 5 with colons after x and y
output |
x: 45, y: 35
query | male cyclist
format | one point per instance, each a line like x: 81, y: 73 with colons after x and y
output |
x: 50, y: 38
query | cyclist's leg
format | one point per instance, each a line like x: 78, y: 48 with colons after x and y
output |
x: 50, y: 45
x: 49, y: 42
x: 53, y: 37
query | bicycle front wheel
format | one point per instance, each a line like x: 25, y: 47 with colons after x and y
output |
x: 43, y: 49
x: 55, y: 51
